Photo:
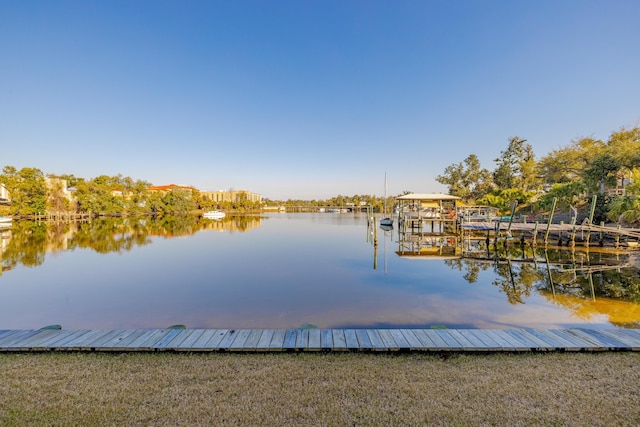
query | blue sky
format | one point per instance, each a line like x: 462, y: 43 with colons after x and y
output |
x: 307, y: 99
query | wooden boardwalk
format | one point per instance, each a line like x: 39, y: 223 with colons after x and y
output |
x: 320, y: 340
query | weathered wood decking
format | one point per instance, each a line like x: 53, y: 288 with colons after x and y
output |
x: 320, y: 340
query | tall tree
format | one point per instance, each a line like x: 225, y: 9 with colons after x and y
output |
x: 516, y: 166
x: 602, y: 171
x: 467, y: 179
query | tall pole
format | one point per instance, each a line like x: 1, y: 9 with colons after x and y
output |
x: 553, y: 208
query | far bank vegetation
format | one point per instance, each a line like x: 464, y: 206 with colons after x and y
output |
x: 570, y: 175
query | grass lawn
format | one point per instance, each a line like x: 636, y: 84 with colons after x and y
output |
x: 315, y: 389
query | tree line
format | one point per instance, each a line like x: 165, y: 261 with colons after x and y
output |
x: 32, y: 193
x: 570, y: 175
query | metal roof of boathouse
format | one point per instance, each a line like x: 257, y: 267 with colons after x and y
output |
x: 427, y: 196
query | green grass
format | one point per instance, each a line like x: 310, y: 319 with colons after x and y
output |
x: 303, y: 389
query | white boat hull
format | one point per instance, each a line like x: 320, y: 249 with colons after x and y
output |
x: 214, y: 215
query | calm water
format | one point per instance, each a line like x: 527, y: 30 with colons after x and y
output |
x: 287, y: 270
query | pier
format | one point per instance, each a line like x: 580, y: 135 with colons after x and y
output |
x: 441, y: 217
x: 320, y: 340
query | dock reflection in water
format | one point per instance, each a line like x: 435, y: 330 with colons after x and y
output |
x: 287, y: 270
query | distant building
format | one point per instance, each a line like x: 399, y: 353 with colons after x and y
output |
x: 233, y: 196
x: 170, y: 187
x: 5, y: 199
x: 61, y: 185
x: 620, y: 189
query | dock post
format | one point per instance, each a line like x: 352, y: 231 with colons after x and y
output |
x: 601, y: 236
x: 553, y: 208
x: 535, y: 234
x: 593, y: 209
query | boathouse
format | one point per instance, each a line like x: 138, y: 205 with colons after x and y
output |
x: 419, y: 209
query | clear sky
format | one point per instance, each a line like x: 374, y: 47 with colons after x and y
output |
x: 307, y: 99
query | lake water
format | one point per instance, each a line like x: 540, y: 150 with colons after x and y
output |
x: 289, y: 270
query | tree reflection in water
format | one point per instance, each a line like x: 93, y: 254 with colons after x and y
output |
x: 28, y: 242
x: 589, y: 283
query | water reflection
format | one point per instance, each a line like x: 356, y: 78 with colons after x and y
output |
x: 589, y: 283
x: 293, y: 269
x: 569, y: 278
x: 27, y: 242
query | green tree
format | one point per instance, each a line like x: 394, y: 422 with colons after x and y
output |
x: 27, y: 190
x: 624, y: 210
x: 567, y: 194
x: 516, y: 167
x: 467, y: 180
x: 602, y: 171
x: 624, y: 147
x: 567, y: 164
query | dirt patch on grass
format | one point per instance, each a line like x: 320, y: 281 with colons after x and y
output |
x: 320, y: 389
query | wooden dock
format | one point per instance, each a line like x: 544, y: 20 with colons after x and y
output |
x: 320, y: 340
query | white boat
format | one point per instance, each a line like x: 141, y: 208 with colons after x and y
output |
x: 214, y: 215
x: 386, y: 220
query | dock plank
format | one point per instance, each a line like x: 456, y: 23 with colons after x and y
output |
x: 228, y: 338
x: 339, y: 339
x: 599, y: 340
x: 169, y: 335
x: 571, y: 343
x: 387, y: 339
x: 491, y: 344
x: 240, y: 338
x: 191, y: 339
x: 551, y: 341
x: 315, y: 342
x: 35, y: 339
x: 524, y: 341
x: 214, y: 343
x: 399, y: 338
x: 326, y: 339
x: 15, y: 337
x: 506, y: 341
x: 146, y: 341
x: 427, y: 343
x: 377, y: 343
x: 265, y: 340
x: 277, y: 341
x: 634, y: 344
x: 252, y: 340
x: 439, y: 342
x: 464, y: 342
x: 61, y: 339
x: 123, y: 344
x: 178, y: 339
x: 80, y: 343
x: 412, y: 339
x: 451, y: 342
x: 201, y: 343
x: 302, y: 339
x: 351, y: 339
x: 364, y: 342
x: 115, y: 343
x: 60, y: 343
x: 540, y: 344
x: 290, y: 338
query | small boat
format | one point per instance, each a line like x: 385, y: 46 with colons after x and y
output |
x: 386, y: 220
x: 214, y: 215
